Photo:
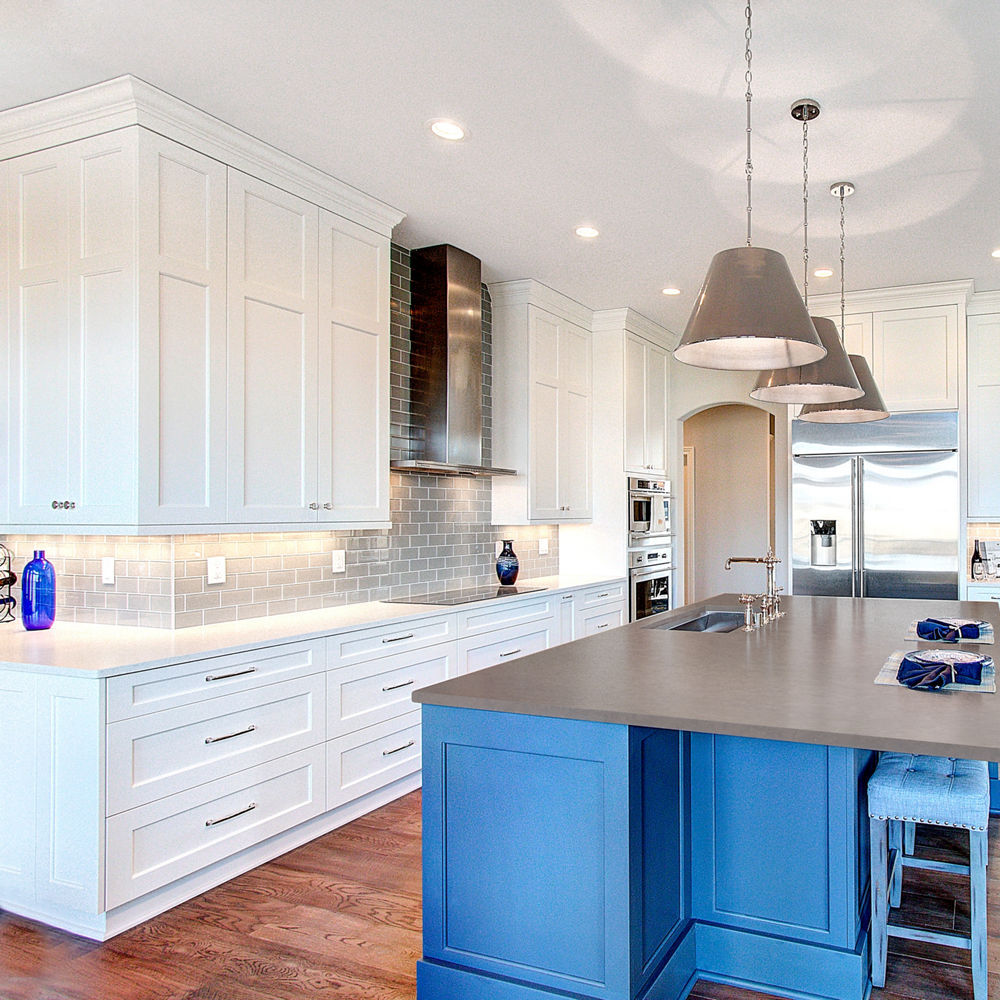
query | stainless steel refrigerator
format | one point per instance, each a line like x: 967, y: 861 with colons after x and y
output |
x: 875, y: 507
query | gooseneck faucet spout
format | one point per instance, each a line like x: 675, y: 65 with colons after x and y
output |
x: 770, y: 600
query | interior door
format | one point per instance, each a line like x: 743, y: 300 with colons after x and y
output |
x: 822, y: 490
x: 909, y: 506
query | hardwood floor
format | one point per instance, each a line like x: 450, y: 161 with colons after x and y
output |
x: 340, y: 918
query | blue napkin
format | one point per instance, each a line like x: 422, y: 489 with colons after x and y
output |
x: 930, y: 670
x: 936, y: 630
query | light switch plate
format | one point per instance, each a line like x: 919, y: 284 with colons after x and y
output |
x: 339, y: 561
x: 216, y: 569
x: 543, y: 546
x: 108, y: 569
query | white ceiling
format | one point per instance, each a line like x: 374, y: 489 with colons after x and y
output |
x: 627, y: 114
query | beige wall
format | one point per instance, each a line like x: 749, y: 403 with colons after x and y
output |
x: 732, y: 509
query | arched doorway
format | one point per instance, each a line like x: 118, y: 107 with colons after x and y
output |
x: 729, y: 498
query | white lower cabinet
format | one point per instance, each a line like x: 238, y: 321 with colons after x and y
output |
x: 165, y: 840
x: 122, y: 797
x: 370, y: 758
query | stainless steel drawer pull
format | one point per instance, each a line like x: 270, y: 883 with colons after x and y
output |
x: 223, y: 819
x: 396, y: 638
x: 236, y: 673
x: 385, y: 753
x: 394, y: 687
x: 229, y: 736
x: 605, y: 625
x: 608, y: 594
x: 511, y: 652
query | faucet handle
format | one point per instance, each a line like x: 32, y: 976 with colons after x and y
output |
x: 747, y: 601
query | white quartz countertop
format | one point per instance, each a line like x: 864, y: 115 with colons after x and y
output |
x: 105, y: 650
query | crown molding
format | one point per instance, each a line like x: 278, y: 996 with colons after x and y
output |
x: 984, y: 303
x: 937, y: 293
x: 528, y: 292
x: 127, y: 100
x: 617, y: 320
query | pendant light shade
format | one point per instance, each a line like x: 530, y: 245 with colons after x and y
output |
x: 749, y: 315
x: 830, y: 380
x: 870, y: 406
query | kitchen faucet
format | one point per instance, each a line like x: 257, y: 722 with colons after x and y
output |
x: 770, y: 603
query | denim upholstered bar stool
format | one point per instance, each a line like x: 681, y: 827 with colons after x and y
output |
x: 942, y: 791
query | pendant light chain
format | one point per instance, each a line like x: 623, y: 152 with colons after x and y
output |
x: 843, y: 322
x: 805, y: 211
x: 749, y: 80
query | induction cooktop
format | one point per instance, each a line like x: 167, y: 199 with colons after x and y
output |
x: 466, y: 596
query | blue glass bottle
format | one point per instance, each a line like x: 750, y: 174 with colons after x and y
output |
x: 507, y: 564
x: 38, y: 593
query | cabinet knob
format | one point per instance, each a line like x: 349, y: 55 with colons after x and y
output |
x: 64, y: 505
x: 328, y: 506
x: 314, y: 506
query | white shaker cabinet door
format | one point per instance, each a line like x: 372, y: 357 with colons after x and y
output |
x: 353, y: 391
x: 182, y: 330
x: 272, y: 354
x: 984, y: 416
x: 575, y: 431
x: 544, y: 431
x: 73, y: 333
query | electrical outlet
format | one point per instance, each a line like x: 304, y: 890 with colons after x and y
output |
x: 216, y: 569
x: 339, y: 561
x: 108, y: 569
x: 543, y: 546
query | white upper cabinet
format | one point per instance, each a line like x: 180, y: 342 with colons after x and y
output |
x: 645, y: 407
x: 353, y: 372
x: 910, y: 338
x: 144, y: 257
x: 73, y: 348
x: 273, y: 353
x: 308, y: 362
x: 542, y: 378
x: 984, y: 416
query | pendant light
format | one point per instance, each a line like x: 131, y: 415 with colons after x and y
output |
x: 749, y: 314
x: 832, y: 379
x: 870, y: 406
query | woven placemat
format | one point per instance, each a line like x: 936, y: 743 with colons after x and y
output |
x: 985, y: 632
x: 988, y: 685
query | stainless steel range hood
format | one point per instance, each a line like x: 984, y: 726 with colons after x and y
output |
x: 446, y: 363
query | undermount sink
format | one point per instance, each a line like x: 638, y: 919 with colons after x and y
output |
x: 707, y: 621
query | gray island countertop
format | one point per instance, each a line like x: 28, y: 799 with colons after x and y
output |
x: 807, y: 677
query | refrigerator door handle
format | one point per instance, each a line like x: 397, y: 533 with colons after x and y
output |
x: 860, y: 535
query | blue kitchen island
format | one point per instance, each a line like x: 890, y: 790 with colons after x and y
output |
x: 621, y: 816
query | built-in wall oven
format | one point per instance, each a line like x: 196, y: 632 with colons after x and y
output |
x: 648, y: 507
x: 650, y: 548
x: 649, y: 575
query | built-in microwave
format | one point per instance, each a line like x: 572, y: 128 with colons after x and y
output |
x: 648, y: 507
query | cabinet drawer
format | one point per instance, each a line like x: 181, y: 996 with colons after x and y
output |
x: 509, y: 644
x: 606, y: 593
x: 983, y: 592
x: 369, y: 642
x: 135, y: 694
x: 163, y: 841
x: 599, y: 620
x: 156, y: 755
x: 504, y: 613
x: 372, y: 758
x: 376, y: 690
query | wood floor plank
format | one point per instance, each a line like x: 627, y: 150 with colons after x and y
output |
x: 340, y: 919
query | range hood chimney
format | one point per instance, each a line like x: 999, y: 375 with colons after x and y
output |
x: 446, y: 363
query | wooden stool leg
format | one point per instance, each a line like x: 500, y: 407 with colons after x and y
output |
x: 977, y: 878
x: 909, y: 838
x: 896, y: 871
x: 880, y: 900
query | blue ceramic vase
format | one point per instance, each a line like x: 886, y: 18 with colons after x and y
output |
x: 38, y: 593
x: 507, y: 564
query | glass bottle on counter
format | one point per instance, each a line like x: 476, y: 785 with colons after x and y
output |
x: 978, y: 569
x: 38, y: 593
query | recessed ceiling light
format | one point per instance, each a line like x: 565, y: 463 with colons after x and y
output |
x: 823, y: 272
x: 445, y: 128
x: 671, y: 291
x: 587, y: 232
x: 996, y: 253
